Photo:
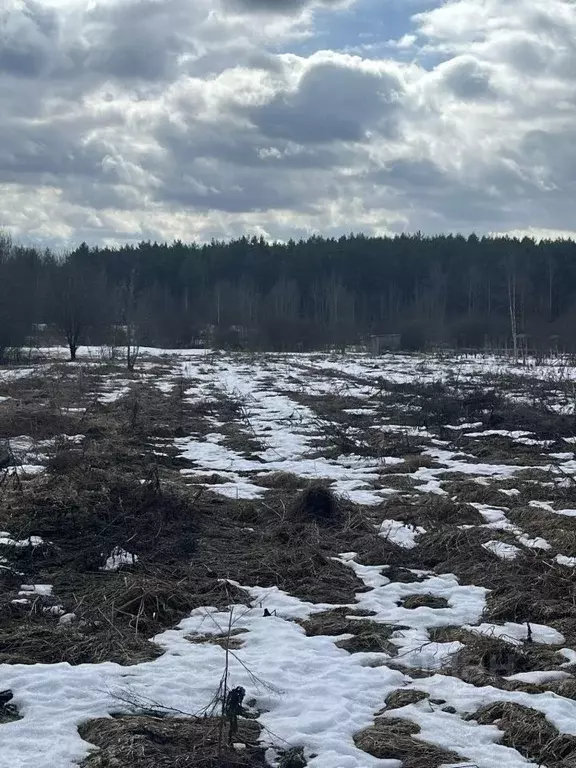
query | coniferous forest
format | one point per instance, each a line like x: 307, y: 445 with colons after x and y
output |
x: 248, y: 293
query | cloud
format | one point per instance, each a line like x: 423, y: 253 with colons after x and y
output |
x: 28, y: 38
x: 277, y: 7
x: 467, y: 78
x: 336, y: 98
x: 200, y: 118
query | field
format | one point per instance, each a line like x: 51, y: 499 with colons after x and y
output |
x: 380, y: 552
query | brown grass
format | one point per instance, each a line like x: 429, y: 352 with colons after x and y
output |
x: 368, y: 636
x: 485, y: 660
x: 530, y: 733
x: 431, y: 510
x: 283, y: 480
x: 558, y: 530
x: 153, y: 742
x: 316, y: 503
x: 30, y: 643
x: 232, y: 640
x: 425, y: 601
x: 338, y: 621
x: 404, y: 696
x: 393, y: 739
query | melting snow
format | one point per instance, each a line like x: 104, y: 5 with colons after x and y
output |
x: 36, y: 589
x: 517, y: 633
x: 7, y: 540
x: 502, y: 550
x: 118, y: 558
x: 399, y: 533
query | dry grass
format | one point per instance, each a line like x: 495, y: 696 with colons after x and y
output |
x: 530, y: 733
x: 402, y: 575
x: 486, y: 660
x: 282, y: 480
x: 368, y: 636
x: 532, y: 588
x: 404, y: 696
x: 189, y: 541
x: 558, y: 530
x: 31, y: 643
x: 431, y: 510
x: 425, y: 601
x: 153, y: 742
x: 232, y: 640
x: 316, y: 503
x: 450, y: 550
x: 393, y: 739
x: 338, y: 621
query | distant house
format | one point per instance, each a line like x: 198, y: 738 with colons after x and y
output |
x: 384, y: 342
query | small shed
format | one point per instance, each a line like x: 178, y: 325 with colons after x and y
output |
x: 384, y: 342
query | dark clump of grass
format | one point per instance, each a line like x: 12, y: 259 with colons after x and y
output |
x: 392, y: 739
x: 316, y: 503
x: 143, y: 604
x: 403, y: 575
x: 451, y: 550
x: 431, y: 510
x: 530, y: 733
x: 47, y: 644
x: 86, y: 514
x: 282, y: 480
x: 292, y: 758
x: 425, y: 601
x: 370, y: 637
x: 144, y: 741
x: 404, y: 696
x: 338, y: 621
x: 533, y: 589
x: 486, y: 660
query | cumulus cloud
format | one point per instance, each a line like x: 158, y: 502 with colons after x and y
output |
x: 338, y: 98
x: 201, y: 118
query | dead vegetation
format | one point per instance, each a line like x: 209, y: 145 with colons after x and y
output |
x: 8, y: 711
x: 424, y: 601
x: 403, y: 697
x: 184, y: 543
x: 529, y: 732
x: 486, y: 660
x: 120, y: 487
x: 431, y: 510
x: 394, y: 739
x: 141, y: 741
x: 447, y: 549
x: 367, y: 636
x: 231, y: 640
x: 315, y: 503
x: 287, y: 481
x: 370, y: 637
x: 31, y: 643
x: 558, y: 530
x: 338, y: 621
x: 534, y: 589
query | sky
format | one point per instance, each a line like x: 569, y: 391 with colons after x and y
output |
x: 124, y: 120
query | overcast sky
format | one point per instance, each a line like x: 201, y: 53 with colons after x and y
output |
x: 123, y: 120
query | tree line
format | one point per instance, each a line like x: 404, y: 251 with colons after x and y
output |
x: 312, y: 294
